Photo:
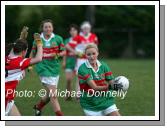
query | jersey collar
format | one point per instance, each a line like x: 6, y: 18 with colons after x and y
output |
x: 81, y: 33
x: 47, y: 40
x: 88, y: 65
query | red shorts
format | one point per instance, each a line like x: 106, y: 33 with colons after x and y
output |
x: 10, y: 88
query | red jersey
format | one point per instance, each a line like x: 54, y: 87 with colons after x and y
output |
x: 73, y: 42
x: 91, y: 38
x: 14, y: 67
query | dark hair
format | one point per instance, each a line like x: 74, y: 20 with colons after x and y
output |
x: 19, y: 46
x: 74, y: 26
x: 43, y: 22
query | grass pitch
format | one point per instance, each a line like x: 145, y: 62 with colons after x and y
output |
x: 139, y: 101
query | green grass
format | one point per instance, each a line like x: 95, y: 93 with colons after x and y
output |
x: 139, y: 101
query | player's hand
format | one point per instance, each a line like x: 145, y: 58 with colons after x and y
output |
x: 79, y: 54
x: 37, y: 39
x: 24, y: 33
x: 55, y: 55
x: 29, y: 69
x: 115, y: 86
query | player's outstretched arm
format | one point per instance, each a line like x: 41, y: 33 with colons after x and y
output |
x: 24, y: 33
x: 68, y: 47
x: 62, y: 53
x: 39, y: 54
x: 78, y: 54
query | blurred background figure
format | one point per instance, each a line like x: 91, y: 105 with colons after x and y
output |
x: 86, y: 34
x: 69, y: 60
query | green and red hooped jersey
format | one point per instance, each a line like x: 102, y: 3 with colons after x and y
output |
x: 103, y: 74
x: 49, y: 66
x: 86, y: 73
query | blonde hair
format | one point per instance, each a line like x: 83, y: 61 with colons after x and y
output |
x: 85, y: 24
x: 91, y: 45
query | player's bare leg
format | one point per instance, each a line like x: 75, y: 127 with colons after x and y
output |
x: 69, y: 78
x: 14, y: 111
x: 115, y: 113
x: 44, y: 101
x: 46, y: 98
x: 54, y: 100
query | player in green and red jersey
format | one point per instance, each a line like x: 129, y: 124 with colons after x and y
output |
x: 69, y: 60
x: 48, y: 68
x: 94, y: 76
x: 87, y: 37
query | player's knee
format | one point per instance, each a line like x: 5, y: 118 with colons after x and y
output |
x: 69, y: 78
x: 115, y: 113
x: 53, y: 97
x: 69, y: 81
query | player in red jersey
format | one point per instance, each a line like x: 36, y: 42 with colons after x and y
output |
x: 87, y: 35
x: 15, y: 64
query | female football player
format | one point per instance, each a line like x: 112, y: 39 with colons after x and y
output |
x: 69, y: 60
x: 48, y: 68
x: 15, y: 64
x: 87, y: 37
x: 96, y: 76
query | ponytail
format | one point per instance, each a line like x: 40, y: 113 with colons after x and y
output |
x: 8, y: 48
x: 19, y: 46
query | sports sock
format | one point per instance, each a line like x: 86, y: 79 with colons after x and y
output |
x: 59, y: 113
x: 40, y: 105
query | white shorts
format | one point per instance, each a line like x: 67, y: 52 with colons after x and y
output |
x: 49, y: 80
x: 79, y: 63
x: 105, y: 112
x: 68, y: 70
x: 9, y: 107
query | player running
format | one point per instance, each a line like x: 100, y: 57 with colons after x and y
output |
x: 48, y: 68
x: 15, y: 64
x: 69, y: 60
x: 94, y: 76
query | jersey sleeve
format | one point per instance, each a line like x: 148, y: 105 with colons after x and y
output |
x: 107, y: 72
x: 34, y: 48
x: 84, y: 75
x: 61, y: 44
x: 25, y: 63
x: 79, y: 39
x: 96, y: 40
x: 66, y: 41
